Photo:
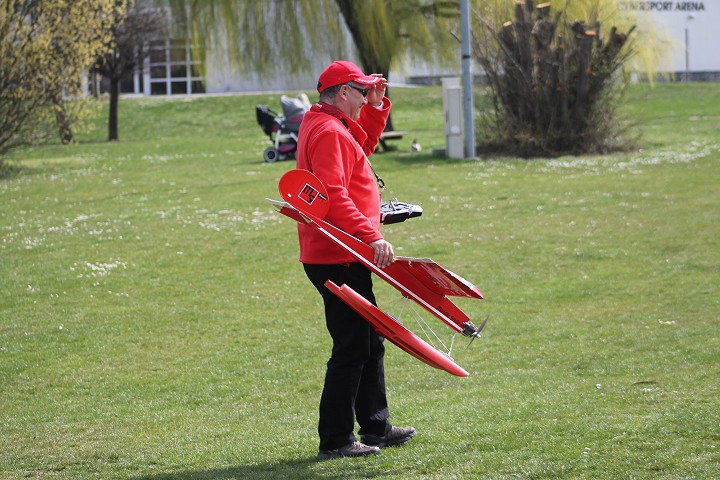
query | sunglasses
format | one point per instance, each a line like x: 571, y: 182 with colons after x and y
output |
x: 363, y: 91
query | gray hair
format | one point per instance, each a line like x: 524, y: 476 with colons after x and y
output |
x: 330, y: 92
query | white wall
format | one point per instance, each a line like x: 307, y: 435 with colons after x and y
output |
x: 220, y: 78
x: 699, y: 19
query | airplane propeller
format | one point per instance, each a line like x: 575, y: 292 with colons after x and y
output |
x: 473, y: 331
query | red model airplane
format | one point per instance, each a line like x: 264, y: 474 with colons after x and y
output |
x: 421, y: 280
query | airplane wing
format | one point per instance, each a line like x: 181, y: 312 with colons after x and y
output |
x: 395, y: 332
x: 438, y: 279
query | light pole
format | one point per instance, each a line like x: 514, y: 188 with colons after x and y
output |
x: 467, y: 80
x: 687, y: 50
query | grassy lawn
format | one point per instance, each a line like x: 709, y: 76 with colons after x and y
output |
x: 155, y: 323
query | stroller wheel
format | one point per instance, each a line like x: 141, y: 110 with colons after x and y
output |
x: 271, y: 155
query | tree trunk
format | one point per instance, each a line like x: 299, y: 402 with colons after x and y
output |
x: 63, y: 123
x: 114, y: 99
x: 95, y: 79
x: 370, y: 63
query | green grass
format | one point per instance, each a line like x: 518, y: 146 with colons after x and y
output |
x: 155, y: 322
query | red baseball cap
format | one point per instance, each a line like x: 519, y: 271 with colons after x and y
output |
x: 341, y: 72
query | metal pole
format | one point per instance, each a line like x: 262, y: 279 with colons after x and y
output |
x: 467, y: 80
x: 687, y: 56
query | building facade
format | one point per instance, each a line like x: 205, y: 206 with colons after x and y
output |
x: 693, y: 29
x: 170, y: 69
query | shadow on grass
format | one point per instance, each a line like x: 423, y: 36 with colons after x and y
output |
x: 9, y: 170
x: 290, y: 469
x: 417, y: 158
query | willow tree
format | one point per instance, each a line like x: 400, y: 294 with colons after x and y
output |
x: 557, y: 73
x: 45, y: 47
x: 283, y: 37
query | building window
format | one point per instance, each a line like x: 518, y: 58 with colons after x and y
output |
x: 171, y: 70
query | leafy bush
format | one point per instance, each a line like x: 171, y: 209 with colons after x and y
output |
x: 45, y: 48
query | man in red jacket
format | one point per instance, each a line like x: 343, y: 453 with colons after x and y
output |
x: 335, y: 139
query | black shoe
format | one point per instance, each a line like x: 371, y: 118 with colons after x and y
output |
x: 396, y: 436
x: 355, y: 449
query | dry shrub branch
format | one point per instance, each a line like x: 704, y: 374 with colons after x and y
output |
x: 555, y: 85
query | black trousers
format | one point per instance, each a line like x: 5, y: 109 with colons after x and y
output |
x: 355, y: 379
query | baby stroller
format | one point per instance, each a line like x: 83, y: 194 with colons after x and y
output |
x: 282, y: 129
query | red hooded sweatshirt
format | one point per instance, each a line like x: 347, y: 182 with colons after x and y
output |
x: 335, y: 148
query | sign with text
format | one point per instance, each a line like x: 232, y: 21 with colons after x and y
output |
x: 692, y: 27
